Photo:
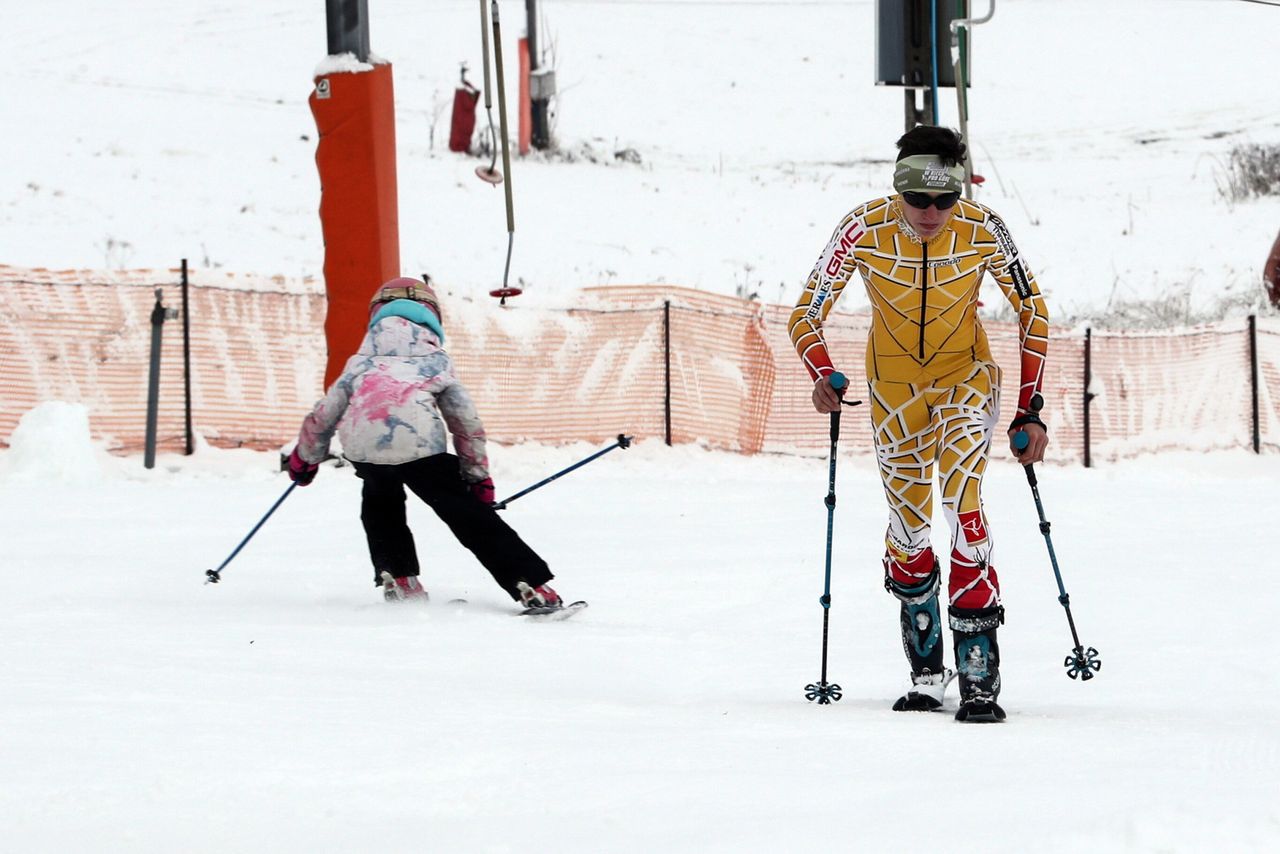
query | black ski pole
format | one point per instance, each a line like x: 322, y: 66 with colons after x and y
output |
x: 623, y: 442
x: 823, y: 691
x: 215, y: 575
x: 1082, y: 663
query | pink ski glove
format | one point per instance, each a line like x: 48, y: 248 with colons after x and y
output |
x: 483, y: 490
x: 301, y: 472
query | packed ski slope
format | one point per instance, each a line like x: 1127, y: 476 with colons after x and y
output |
x: 289, y: 709
x: 161, y: 129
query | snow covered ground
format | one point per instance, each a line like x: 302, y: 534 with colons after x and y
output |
x: 141, y: 133
x: 289, y: 709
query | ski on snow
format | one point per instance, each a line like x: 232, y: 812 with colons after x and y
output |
x: 552, y: 613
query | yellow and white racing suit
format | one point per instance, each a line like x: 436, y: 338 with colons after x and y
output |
x: 934, y: 389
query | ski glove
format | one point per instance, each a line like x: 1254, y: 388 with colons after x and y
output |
x: 483, y: 491
x: 301, y: 472
x: 1029, y: 418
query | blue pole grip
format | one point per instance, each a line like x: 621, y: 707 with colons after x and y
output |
x: 1021, y: 440
x: 838, y: 381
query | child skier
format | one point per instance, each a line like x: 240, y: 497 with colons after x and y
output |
x: 392, y: 406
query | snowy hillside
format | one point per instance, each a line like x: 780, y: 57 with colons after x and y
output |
x: 149, y: 131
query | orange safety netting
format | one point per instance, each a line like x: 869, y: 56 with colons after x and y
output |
x: 620, y: 360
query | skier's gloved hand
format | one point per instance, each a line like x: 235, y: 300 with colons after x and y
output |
x: 301, y: 472
x: 1028, y: 435
x: 483, y: 490
x: 1028, y: 439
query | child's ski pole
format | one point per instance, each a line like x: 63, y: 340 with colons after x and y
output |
x: 623, y: 442
x: 215, y: 575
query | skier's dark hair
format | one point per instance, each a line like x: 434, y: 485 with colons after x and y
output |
x: 927, y: 139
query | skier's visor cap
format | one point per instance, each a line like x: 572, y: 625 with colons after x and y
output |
x: 927, y: 173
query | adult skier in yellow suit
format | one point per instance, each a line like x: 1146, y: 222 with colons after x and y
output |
x: 935, y: 397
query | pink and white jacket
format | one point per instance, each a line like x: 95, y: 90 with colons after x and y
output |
x: 395, y: 402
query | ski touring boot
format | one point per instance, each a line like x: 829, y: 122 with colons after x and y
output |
x: 978, y: 663
x: 926, y: 693
x: 921, y: 624
x: 404, y: 589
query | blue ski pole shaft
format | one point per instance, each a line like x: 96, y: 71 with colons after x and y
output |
x: 623, y: 442
x: 823, y: 691
x: 1053, y: 556
x: 1082, y: 663
x: 831, y: 523
x: 215, y: 575
x: 1020, y: 442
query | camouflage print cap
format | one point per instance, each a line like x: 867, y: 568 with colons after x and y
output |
x: 928, y: 174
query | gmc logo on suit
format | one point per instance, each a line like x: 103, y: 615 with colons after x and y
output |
x: 851, y: 236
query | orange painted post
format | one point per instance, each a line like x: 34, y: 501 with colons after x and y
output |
x: 356, y: 156
x: 526, y: 110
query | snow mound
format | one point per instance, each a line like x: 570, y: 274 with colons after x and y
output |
x: 52, y: 443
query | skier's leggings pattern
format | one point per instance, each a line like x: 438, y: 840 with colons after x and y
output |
x: 947, y: 427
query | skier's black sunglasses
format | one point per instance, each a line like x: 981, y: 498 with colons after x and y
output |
x: 922, y: 201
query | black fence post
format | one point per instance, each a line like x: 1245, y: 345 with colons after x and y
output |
x: 1088, y: 394
x: 666, y: 354
x: 159, y: 314
x: 1253, y: 380
x: 186, y: 358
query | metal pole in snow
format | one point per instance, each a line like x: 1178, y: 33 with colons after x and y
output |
x: 153, y: 383
x: 186, y: 358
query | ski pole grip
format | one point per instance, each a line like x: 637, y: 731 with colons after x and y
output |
x: 839, y: 382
